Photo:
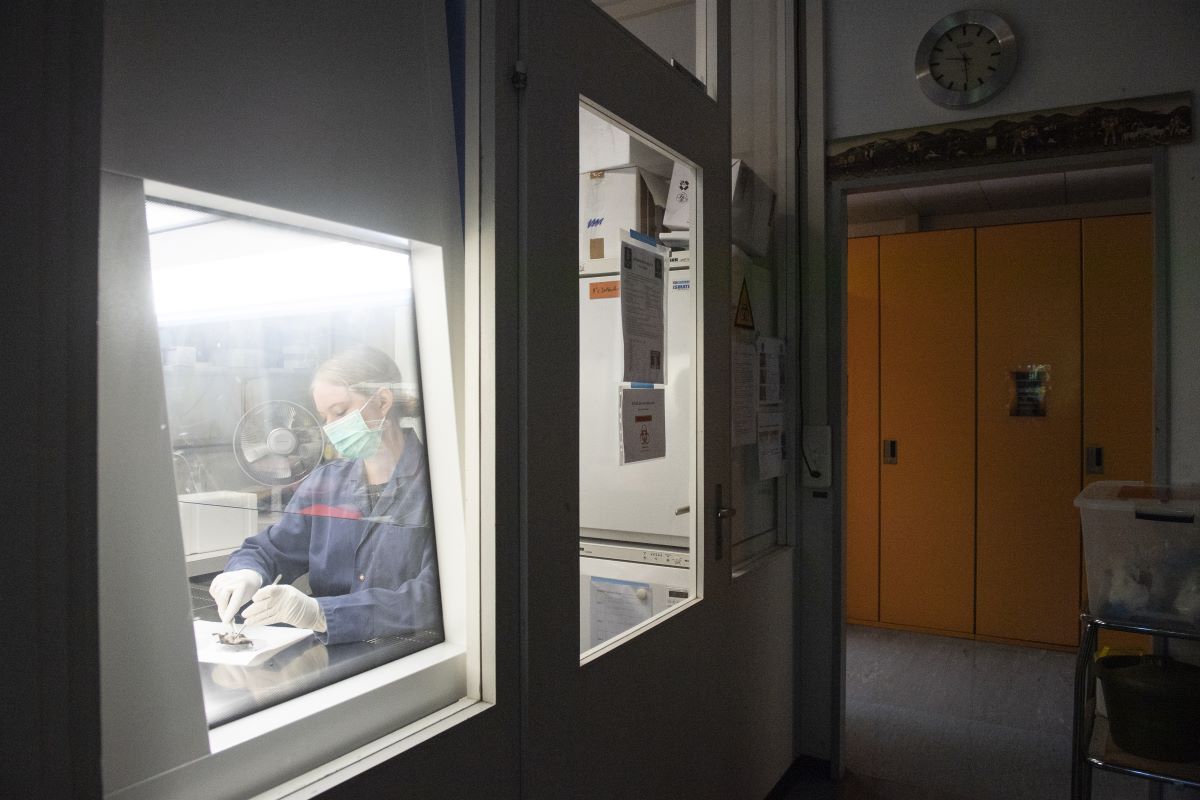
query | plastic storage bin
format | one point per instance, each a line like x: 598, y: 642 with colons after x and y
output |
x: 1141, y: 549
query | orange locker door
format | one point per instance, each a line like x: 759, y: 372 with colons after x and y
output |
x: 1118, y: 359
x: 1118, y: 348
x: 927, y: 408
x: 1027, y: 569
x: 862, y: 429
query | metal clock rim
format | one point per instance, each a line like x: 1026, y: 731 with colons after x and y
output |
x: 956, y: 99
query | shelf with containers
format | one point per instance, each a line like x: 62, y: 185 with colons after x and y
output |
x: 1142, y: 553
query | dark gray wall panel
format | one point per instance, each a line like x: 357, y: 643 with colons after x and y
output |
x: 337, y: 110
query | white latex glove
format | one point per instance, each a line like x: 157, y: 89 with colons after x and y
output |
x: 286, y: 604
x: 232, y: 590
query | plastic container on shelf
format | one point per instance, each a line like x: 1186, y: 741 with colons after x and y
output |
x: 1153, y: 706
x: 1141, y: 548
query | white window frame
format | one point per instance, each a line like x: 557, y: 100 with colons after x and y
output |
x: 375, y: 715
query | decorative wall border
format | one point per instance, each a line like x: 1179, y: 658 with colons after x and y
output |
x: 1096, y: 127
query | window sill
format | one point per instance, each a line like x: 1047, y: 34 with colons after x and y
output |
x: 379, y: 710
x: 342, y: 769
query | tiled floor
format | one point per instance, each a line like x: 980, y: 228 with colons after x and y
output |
x: 937, y: 718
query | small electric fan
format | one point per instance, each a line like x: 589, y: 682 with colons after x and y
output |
x: 278, y: 443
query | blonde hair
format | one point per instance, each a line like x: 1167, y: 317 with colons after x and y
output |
x: 364, y: 370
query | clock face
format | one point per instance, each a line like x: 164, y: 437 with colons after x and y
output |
x: 966, y: 58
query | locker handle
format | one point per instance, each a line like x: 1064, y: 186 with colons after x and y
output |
x: 890, y: 451
x: 1095, y: 460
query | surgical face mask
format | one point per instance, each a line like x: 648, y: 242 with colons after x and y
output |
x: 353, y: 437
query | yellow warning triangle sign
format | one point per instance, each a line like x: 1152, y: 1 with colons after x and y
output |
x: 744, y: 317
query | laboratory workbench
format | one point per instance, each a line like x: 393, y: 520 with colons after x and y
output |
x: 233, y: 692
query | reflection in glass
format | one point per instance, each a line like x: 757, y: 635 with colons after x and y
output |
x: 289, y: 364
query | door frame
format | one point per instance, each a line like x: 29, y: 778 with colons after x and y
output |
x: 836, y: 191
x: 577, y: 718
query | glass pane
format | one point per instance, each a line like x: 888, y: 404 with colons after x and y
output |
x: 291, y: 375
x: 637, y: 387
x: 673, y: 29
x: 759, y: 457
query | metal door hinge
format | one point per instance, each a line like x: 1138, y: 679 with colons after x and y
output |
x: 520, y: 78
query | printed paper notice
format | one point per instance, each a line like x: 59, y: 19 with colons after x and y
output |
x: 745, y: 392
x: 643, y: 310
x: 617, y: 606
x: 770, y: 444
x: 643, y: 424
x: 770, y: 375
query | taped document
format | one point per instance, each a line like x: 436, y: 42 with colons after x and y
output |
x: 643, y: 424
x: 617, y: 606
x: 643, y: 308
x: 745, y: 393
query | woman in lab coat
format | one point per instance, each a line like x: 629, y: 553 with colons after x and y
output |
x: 360, y: 526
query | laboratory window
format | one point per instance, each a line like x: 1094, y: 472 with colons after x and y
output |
x: 299, y: 453
x: 288, y: 395
x: 638, y: 289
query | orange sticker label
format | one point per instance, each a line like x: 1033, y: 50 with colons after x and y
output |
x: 602, y: 289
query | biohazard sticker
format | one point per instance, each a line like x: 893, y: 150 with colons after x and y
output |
x: 643, y: 424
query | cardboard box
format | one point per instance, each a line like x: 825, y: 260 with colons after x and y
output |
x: 603, y: 146
x: 753, y: 209
x: 678, y: 212
x: 610, y: 200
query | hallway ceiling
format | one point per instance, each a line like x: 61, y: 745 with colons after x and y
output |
x: 1002, y: 194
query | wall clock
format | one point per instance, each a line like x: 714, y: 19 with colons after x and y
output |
x: 966, y: 58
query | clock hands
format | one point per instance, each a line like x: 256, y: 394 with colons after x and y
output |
x: 966, y: 61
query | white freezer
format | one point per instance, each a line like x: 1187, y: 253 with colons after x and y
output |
x: 646, y: 501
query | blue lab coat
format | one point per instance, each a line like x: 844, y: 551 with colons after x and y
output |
x: 373, y: 570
